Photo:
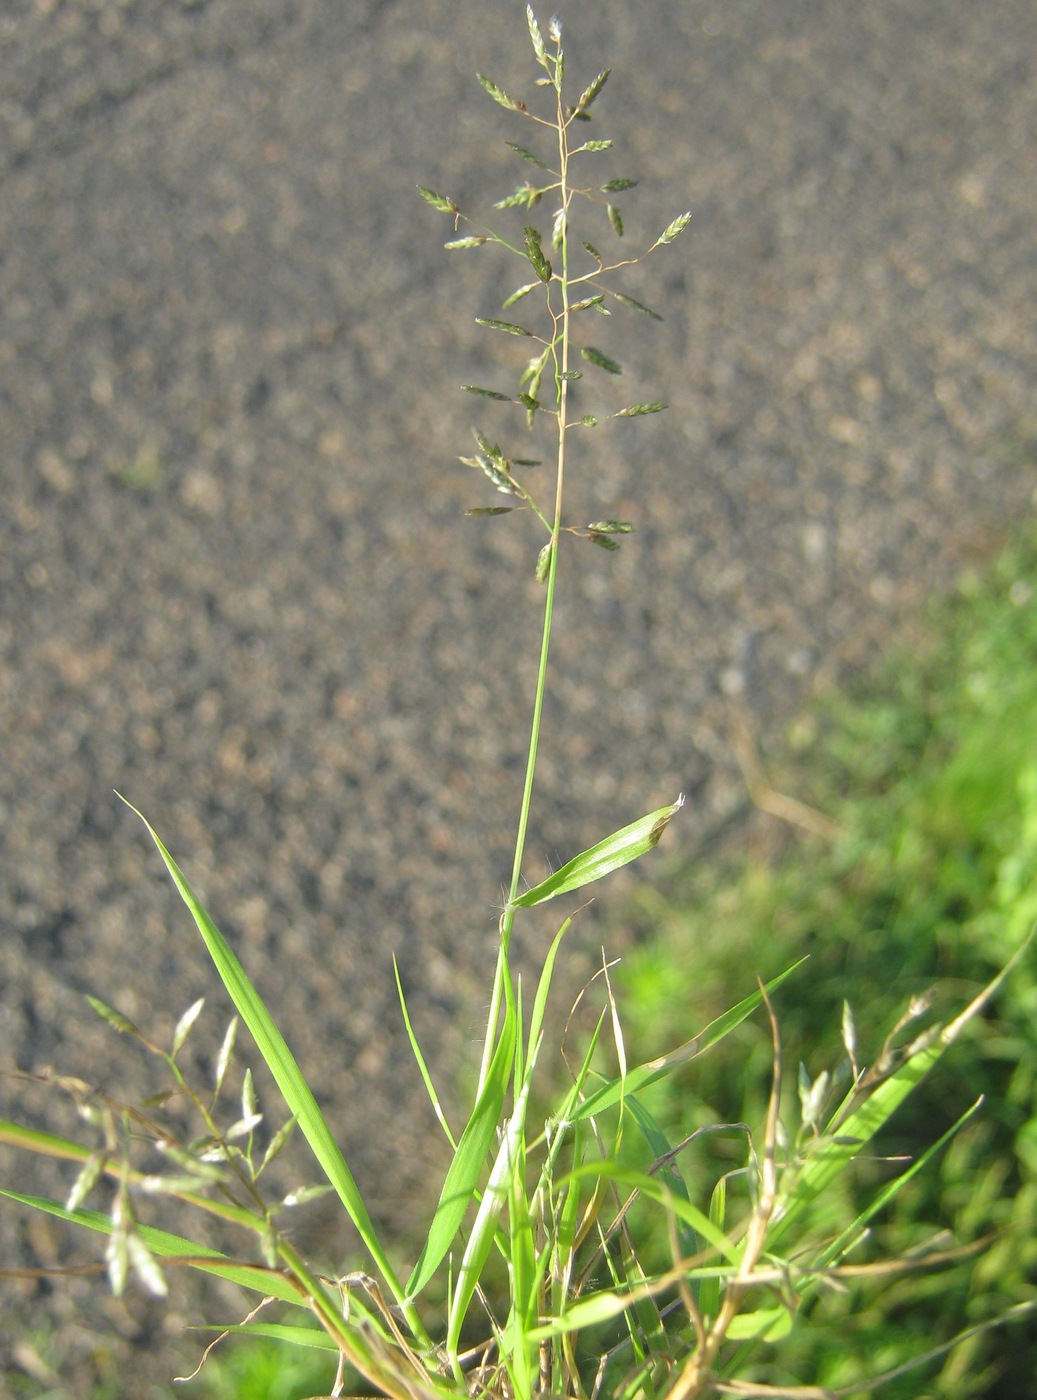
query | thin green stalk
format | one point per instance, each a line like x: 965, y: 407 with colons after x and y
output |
x: 562, y: 389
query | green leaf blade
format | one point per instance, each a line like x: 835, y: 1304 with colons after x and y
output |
x: 168, y: 1246
x: 601, y: 859
x: 478, y: 1248
x: 466, y: 1166
x: 282, y: 1065
x: 652, y: 1070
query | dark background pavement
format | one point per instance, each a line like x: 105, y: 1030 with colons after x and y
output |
x: 234, y: 579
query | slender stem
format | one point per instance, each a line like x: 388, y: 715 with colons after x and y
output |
x: 561, y: 391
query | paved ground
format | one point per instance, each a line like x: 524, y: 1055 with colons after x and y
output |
x: 235, y: 583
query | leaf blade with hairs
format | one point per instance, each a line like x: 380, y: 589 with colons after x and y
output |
x: 602, y: 858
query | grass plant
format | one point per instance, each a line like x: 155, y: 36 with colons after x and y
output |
x: 541, y: 1270
x: 926, y: 770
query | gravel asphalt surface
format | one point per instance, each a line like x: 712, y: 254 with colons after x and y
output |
x: 235, y: 581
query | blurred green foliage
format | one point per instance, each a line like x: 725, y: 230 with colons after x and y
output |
x: 929, y: 766
x: 260, y: 1369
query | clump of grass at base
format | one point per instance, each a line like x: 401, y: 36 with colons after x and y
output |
x: 540, y: 1271
x: 929, y: 766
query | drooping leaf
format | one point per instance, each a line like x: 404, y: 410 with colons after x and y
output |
x: 282, y: 1065
x: 652, y: 1070
x: 172, y: 1247
x: 311, y: 1337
